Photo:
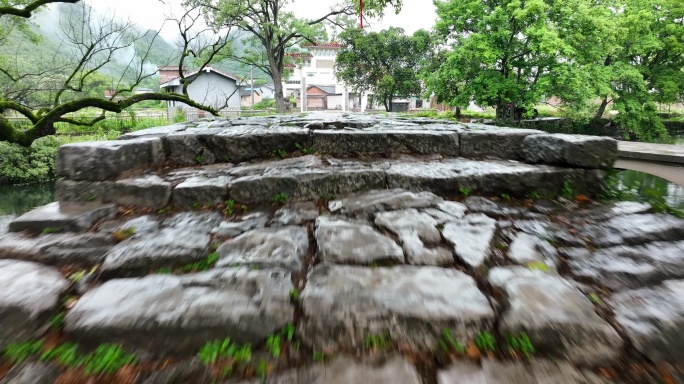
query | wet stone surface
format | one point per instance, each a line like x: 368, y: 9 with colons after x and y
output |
x: 343, y: 305
x: 555, y: 314
x: 409, y: 234
x: 283, y: 247
x: 163, y: 314
x: 29, y: 296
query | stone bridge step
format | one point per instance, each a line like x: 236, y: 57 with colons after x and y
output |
x: 311, y: 177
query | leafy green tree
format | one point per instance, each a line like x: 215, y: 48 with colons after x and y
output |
x: 50, y: 93
x: 274, y: 31
x: 385, y: 63
x: 502, y: 51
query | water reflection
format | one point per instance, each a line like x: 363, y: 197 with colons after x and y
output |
x: 15, y: 200
x: 645, y: 185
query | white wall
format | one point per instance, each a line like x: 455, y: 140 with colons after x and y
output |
x: 334, y: 101
x: 213, y: 90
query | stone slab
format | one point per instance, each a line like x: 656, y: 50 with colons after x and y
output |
x: 305, y: 184
x: 497, y: 210
x: 634, y: 230
x: 201, y: 190
x: 169, y: 247
x: 626, y: 267
x: 295, y: 214
x: 385, y: 142
x: 240, y: 225
x: 491, y: 177
x: 246, y: 142
x: 346, y: 370
x: 346, y: 242
x: 109, y: 160
x: 63, y: 217
x: 29, y: 296
x: 191, y: 147
x: 663, y: 153
x: 526, y: 249
x: 278, y: 247
x: 653, y: 320
x: 164, y: 314
x: 537, y: 372
x: 57, y: 249
x: 573, y: 150
x: 418, y: 236
x: 556, y: 316
x: 479, y: 141
x: 471, y: 238
x: 383, y: 200
x: 145, y: 191
x: 202, y: 222
x: 413, y: 305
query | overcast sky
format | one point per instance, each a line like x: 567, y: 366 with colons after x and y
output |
x: 415, y: 14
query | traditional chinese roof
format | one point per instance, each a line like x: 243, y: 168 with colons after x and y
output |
x: 298, y: 54
x: 331, y: 44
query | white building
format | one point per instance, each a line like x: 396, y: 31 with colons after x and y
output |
x: 318, y: 69
x: 210, y: 87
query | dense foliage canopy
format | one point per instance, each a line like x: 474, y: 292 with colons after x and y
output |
x: 385, y: 63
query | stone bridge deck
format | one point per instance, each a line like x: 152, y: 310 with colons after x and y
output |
x: 352, y: 251
x: 663, y: 153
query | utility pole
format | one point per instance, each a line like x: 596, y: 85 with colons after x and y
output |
x: 251, y: 83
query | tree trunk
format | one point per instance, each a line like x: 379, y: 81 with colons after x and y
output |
x: 602, y: 109
x: 279, y: 97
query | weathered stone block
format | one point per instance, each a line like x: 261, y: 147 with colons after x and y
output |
x: 246, y: 142
x: 279, y: 247
x: 536, y: 372
x: 383, y: 200
x: 346, y: 370
x: 201, y: 190
x: 573, y: 150
x: 494, y: 177
x: 556, y: 316
x: 305, y: 183
x: 170, y: 247
x: 237, y: 226
x: 625, y: 267
x: 480, y: 141
x: 416, y: 231
x: 109, y: 160
x: 191, y: 147
x: 344, y: 242
x: 145, y: 191
x: 413, y: 305
x: 85, y: 249
x: 634, y: 230
x: 295, y: 214
x: 29, y: 295
x: 386, y: 142
x: 63, y: 217
x: 471, y: 238
x: 653, y: 319
x: 166, y: 314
